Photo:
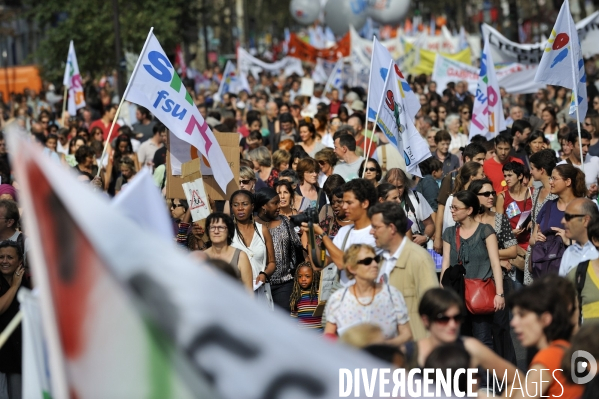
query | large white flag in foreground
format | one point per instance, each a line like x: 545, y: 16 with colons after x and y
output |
x: 156, y: 85
x: 397, y: 124
x: 487, y: 114
x: 121, y: 316
x: 562, y: 62
x: 72, y: 80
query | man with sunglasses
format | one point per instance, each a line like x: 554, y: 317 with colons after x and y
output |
x: 577, y: 216
x: 406, y: 265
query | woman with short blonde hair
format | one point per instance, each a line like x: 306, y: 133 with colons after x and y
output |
x: 367, y: 301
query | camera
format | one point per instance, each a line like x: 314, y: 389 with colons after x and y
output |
x: 309, y: 215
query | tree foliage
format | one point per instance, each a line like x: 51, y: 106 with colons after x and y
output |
x: 89, y: 23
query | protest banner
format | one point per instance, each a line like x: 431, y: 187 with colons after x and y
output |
x: 193, y: 187
x: 514, y: 78
x: 247, y: 63
x: 179, y: 152
x: 447, y: 70
x: 232, y: 81
x: 73, y: 85
x: 425, y: 60
x: 308, y: 53
x: 335, y: 80
x: 119, y: 326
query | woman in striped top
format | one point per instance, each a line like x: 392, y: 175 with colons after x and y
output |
x: 304, y: 298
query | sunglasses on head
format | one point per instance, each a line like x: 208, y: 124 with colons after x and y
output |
x: 368, y: 261
x: 244, y: 182
x: 370, y: 169
x: 442, y: 319
x: 568, y: 216
x: 488, y: 193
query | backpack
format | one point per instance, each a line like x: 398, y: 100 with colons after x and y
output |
x: 546, y: 256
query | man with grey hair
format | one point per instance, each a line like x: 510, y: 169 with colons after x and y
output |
x: 270, y: 119
x: 577, y: 216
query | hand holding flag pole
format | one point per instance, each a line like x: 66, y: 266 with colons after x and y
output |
x: 64, y: 104
x: 118, y: 110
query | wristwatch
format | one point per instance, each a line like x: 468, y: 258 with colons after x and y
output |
x: 501, y: 295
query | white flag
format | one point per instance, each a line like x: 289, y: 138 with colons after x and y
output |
x: 72, y: 80
x: 156, y: 85
x: 232, y: 82
x: 562, y: 62
x: 487, y: 114
x: 376, y: 87
x: 335, y: 80
x: 397, y: 123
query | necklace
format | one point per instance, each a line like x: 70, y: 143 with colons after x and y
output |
x: 358, y: 299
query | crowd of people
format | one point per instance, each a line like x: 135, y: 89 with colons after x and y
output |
x: 325, y: 198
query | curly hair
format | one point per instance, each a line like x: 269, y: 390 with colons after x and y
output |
x: 296, y: 293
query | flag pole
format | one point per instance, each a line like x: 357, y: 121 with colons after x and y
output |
x: 575, y: 86
x: 10, y: 328
x: 118, y: 110
x: 367, y: 153
x: 64, y: 104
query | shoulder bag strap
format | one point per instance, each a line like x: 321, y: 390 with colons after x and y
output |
x: 534, y: 205
x: 581, y: 276
x: 457, y: 243
x: 345, y: 238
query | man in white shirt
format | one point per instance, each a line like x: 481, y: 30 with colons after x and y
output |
x: 358, y: 196
x: 345, y: 148
x: 148, y: 148
x: 591, y: 163
x: 406, y: 266
x: 577, y: 216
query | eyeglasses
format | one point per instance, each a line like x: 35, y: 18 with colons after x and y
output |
x: 551, y: 178
x: 455, y: 208
x: 568, y: 216
x: 587, y: 124
x: 175, y: 206
x: 218, y: 228
x: 370, y: 169
x: 465, y: 112
x: 488, y: 193
x: 244, y: 182
x: 368, y: 261
x: 322, y: 163
x: 442, y: 319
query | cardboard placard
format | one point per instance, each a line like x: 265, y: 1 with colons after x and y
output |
x: 229, y: 143
x: 327, y: 279
x: 193, y: 187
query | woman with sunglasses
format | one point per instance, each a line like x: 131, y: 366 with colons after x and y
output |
x: 441, y: 116
x: 442, y: 312
x: 327, y: 160
x: 478, y: 252
x: 221, y: 231
x: 566, y: 182
x: 367, y: 301
x: 371, y: 170
x: 508, y: 250
x: 417, y: 209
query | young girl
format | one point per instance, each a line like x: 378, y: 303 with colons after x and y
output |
x: 304, y: 298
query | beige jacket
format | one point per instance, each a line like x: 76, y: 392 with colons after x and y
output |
x: 414, y: 273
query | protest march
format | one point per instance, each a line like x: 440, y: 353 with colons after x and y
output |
x: 370, y: 205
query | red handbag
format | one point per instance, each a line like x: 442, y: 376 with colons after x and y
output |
x: 479, y: 294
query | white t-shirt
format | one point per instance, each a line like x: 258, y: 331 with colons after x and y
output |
x: 348, y: 171
x: 361, y: 236
x: 423, y: 210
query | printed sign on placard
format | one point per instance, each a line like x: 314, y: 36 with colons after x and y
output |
x: 197, y: 199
